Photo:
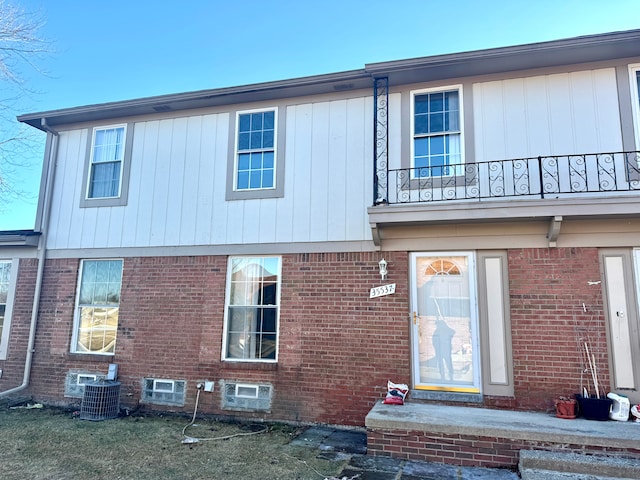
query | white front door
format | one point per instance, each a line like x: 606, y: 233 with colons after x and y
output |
x: 623, y: 322
x: 445, y: 322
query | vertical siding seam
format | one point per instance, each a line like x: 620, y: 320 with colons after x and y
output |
x: 547, y: 97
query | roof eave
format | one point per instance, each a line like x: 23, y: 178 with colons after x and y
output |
x: 312, y: 85
x: 585, y: 49
x: 19, y: 238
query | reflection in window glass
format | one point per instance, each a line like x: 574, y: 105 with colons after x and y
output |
x: 255, y: 163
x: 252, y: 308
x: 98, y: 306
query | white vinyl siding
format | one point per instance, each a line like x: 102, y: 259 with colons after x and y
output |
x: 555, y: 114
x: 178, y: 184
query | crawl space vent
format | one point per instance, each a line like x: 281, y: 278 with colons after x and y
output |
x: 246, y: 397
x: 101, y: 401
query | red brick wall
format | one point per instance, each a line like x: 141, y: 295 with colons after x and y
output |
x: 13, y: 366
x: 337, y: 347
x: 470, y: 450
x: 549, y: 325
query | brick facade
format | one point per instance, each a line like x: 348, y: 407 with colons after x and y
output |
x: 472, y: 450
x: 549, y: 324
x: 13, y: 366
x: 337, y: 347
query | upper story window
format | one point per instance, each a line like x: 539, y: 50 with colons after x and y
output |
x: 107, y: 155
x: 97, y: 307
x: 437, y: 132
x: 252, y: 301
x: 256, y: 154
x: 107, y: 166
x: 256, y: 150
x: 634, y: 71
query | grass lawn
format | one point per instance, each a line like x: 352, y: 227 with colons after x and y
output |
x: 51, y: 444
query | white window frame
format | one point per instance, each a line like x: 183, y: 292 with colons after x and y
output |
x: 76, y: 317
x: 453, y: 171
x: 634, y: 71
x: 84, y: 378
x: 246, y: 386
x: 160, y: 388
x: 125, y: 169
x: 8, y: 310
x: 237, y: 151
x: 92, y: 163
x: 228, y: 305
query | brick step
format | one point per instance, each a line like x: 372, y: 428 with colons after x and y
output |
x: 544, y: 465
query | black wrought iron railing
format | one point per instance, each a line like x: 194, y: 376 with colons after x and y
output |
x: 537, y: 177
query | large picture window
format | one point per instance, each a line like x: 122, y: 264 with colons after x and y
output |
x: 437, y: 132
x: 253, y: 295
x: 97, y: 307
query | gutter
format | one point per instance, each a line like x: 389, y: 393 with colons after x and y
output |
x: 51, y: 152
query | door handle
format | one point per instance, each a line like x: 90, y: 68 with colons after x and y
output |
x: 620, y: 314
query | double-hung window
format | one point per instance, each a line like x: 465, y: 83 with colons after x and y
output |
x: 97, y: 307
x: 437, y: 132
x: 107, y: 166
x: 634, y: 71
x: 256, y: 150
x: 252, y: 308
x: 107, y: 157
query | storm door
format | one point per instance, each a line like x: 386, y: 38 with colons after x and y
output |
x: 444, y: 322
x: 622, y: 320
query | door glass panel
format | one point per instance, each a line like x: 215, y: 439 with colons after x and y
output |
x: 444, y: 330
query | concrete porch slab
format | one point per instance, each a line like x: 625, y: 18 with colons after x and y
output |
x: 481, y: 437
x: 484, y: 422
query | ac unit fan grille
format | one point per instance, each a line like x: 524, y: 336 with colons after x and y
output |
x: 101, y: 401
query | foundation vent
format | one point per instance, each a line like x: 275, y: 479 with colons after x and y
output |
x: 163, y: 392
x: 246, y: 397
x: 76, y: 380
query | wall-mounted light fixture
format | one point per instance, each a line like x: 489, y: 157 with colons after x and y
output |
x: 382, y: 264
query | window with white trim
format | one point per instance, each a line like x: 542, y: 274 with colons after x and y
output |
x: 255, y: 158
x: 107, y: 166
x: 436, y: 125
x: 97, y: 307
x: 106, y: 161
x: 5, y: 304
x: 252, y: 308
x: 634, y: 72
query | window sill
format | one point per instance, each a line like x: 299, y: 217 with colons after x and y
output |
x: 259, y: 366
x: 446, y: 396
x: 90, y: 357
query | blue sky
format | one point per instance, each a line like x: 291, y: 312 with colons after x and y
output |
x: 125, y: 49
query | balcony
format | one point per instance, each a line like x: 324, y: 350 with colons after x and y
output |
x: 538, y: 178
x: 549, y: 187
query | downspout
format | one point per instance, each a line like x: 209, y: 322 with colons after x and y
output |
x: 52, y: 152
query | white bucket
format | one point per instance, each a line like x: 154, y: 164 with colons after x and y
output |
x: 619, y: 408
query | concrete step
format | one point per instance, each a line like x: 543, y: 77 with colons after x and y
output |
x: 543, y: 465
